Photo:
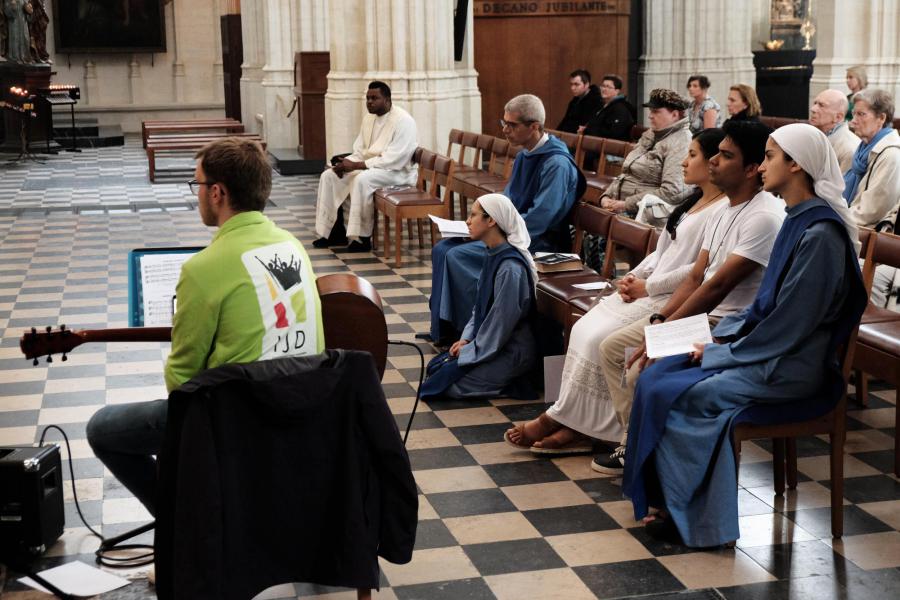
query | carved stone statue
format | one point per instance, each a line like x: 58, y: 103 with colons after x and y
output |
x: 38, y: 32
x: 18, y: 40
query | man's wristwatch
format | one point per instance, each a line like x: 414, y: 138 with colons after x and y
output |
x: 657, y: 317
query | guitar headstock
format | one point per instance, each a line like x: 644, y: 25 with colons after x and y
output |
x: 49, y: 342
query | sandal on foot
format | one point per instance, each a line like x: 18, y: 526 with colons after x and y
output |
x: 579, y: 444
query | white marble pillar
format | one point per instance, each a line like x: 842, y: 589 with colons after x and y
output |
x: 854, y: 33
x: 683, y: 37
x: 409, y: 45
x: 272, y: 31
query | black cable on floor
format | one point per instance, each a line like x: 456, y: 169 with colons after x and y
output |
x: 421, y: 378
x: 102, y: 553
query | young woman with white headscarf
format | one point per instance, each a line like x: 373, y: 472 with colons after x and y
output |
x: 777, y: 357
x: 497, y: 346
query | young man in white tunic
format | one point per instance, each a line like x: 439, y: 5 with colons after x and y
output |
x: 382, y: 157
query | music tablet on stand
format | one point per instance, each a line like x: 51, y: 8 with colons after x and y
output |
x: 152, y: 277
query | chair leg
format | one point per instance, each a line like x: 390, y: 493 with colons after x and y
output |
x: 778, y: 465
x: 837, y: 484
x: 375, y: 233
x: 421, y: 233
x: 862, y: 388
x: 409, y: 229
x: 896, y: 429
x: 387, y: 236
x: 398, y: 227
x: 791, y: 459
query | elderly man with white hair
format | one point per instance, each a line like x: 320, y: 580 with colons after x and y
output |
x: 827, y: 115
x: 543, y: 187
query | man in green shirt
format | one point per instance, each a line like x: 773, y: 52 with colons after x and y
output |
x: 250, y: 295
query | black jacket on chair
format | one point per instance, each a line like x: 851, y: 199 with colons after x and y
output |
x: 613, y: 120
x: 281, y: 470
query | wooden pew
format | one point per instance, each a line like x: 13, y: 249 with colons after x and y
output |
x: 185, y: 143
x: 226, y: 125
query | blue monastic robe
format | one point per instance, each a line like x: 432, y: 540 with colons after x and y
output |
x: 778, y: 352
x: 501, y: 345
x: 543, y: 187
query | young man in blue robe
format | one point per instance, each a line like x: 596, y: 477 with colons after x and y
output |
x: 779, y: 355
x: 543, y: 186
x: 497, y: 347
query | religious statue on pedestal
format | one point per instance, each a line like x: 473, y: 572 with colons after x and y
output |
x: 18, y: 39
x: 38, y: 32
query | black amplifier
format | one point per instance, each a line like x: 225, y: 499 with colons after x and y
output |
x: 31, y: 499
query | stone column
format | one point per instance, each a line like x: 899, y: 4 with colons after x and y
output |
x: 682, y: 37
x: 856, y: 33
x: 273, y: 30
x: 409, y: 45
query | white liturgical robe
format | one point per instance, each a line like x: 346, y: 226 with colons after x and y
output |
x: 386, y: 144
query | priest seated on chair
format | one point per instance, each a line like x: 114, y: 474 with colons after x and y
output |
x: 381, y: 157
x: 543, y: 186
x: 249, y: 295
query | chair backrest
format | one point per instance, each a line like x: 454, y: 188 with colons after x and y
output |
x: 426, y: 166
x: 571, y: 140
x: 469, y: 142
x: 637, y: 131
x: 628, y: 235
x: 484, y: 143
x: 417, y: 154
x: 499, y: 150
x: 616, y: 148
x: 593, y: 145
x: 592, y: 220
x: 455, y: 138
x: 654, y: 239
x: 443, y: 173
x: 883, y: 249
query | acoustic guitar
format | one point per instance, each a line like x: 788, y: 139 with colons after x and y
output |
x: 352, y: 316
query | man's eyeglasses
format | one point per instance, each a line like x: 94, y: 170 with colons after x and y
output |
x: 195, y: 185
x: 513, y: 124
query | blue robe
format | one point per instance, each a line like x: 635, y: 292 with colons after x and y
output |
x: 501, y: 344
x: 778, y: 356
x: 543, y: 187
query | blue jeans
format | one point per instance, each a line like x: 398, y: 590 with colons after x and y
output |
x: 126, y: 438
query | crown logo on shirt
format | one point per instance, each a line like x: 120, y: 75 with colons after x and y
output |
x: 286, y: 273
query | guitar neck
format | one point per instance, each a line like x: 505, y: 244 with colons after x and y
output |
x: 126, y: 334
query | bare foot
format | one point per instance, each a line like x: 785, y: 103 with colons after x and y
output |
x: 561, y: 437
x: 527, y: 434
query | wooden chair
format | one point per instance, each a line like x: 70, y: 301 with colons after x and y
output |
x: 417, y: 203
x: 455, y: 138
x: 834, y: 424
x: 571, y: 140
x: 878, y: 343
x: 472, y: 183
x: 637, y: 131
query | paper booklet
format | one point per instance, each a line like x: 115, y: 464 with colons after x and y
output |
x: 677, y: 337
x: 450, y: 229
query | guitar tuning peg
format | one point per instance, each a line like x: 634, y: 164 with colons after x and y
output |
x: 34, y: 331
x: 35, y: 362
x: 64, y: 357
x: 62, y: 327
x: 49, y: 328
x: 49, y: 359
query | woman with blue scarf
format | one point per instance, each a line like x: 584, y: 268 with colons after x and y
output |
x: 779, y: 351
x: 872, y: 185
x: 497, y: 347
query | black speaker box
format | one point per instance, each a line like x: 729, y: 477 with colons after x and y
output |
x: 31, y: 499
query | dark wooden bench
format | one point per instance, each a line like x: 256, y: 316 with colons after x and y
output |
x: 226, y: 125
x: 186, y: 143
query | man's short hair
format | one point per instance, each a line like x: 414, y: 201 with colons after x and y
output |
x: 703, y: 80
x: 882, y: 103
x: 616, y: 80
x: 529, y: 108
x: 583, y: 73
x: 384, y: 88
x: 750, y: 137
x: 241, y: 166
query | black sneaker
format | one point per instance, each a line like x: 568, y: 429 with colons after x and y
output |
x: 320, y: 243
x: 364, y: 245
x: 611, y: 464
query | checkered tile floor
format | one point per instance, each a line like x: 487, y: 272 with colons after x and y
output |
x: 494, y: 522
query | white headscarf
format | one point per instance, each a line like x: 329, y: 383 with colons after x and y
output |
x: 813, y: 152
x: 501, y: 209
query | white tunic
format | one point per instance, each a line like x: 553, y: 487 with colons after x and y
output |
x: 386, y: 144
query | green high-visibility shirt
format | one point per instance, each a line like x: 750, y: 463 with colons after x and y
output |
x: 250, y: 295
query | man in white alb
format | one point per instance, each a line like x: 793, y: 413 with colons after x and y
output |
x: 382, y: 157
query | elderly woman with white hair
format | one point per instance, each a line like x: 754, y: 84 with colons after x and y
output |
x: 778, y: 357
x: 872, y: 184
x: 497, y: 347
